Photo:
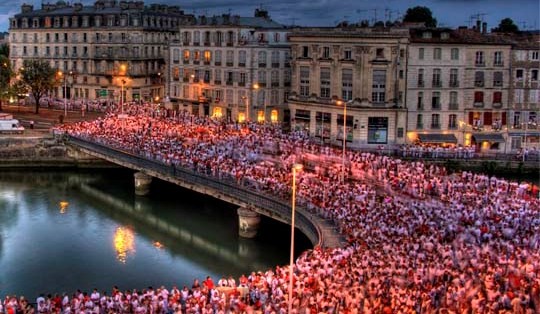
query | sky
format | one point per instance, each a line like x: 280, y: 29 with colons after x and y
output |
x: 449, y: 13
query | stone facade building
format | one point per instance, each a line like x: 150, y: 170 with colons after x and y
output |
x: 524, y: 110
x: 231, y: 66
x: 359, y: 70
x: 458, y: 83
x: 102, y: 49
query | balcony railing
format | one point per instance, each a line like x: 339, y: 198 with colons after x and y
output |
x: 454, y: 83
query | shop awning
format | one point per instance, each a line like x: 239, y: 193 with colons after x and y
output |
x: 437, y: 138
x: 489, y: 137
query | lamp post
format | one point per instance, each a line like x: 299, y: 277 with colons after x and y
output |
x: 255, y: 88
x: 123, y: 81
x: 341, y: 102
x: 295, y: 168
x: 523, y: 153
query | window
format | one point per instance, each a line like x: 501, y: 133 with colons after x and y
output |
x: 347, y: 54
x: 242, y: 56
x: 275, y: 59
x: 274, y: 97
x: 217, y: 76
x: 326, y: 53
x: 498, y: 58
x: 304, y: 81
x: 534, y: 55
x: 452, y: 121
x: 305, y: 52
x: 274, y: 78
x: 421, y: 53
x: 497, y: 97
x: 261, y: 78
x: 533, y: 96
x: 242, y: 79
x: 420, y: 77
x: 454, y: 78
x: 534, y: 75
x: 479, y: 60
x: 261, y: 59
x: 453, y: 103
x: 420, y: 101
x: 478, y: 97
x: 435, y: 121
x: 378, y: 92
x: 437, y: 78
x: 519, y: 74
x: 518, y: 96
x: 437, y: 54
x: 207, y: 56
x: 454, y: 54
x: 436, y: 101
x: 230, y: 58
x: 377, y: 130
x: 346, y: 84
x: 497, y: 78
x: 479, y: 79
x: 186, y: 55
x: 325, y: 83
x: 420, y: 121
x: 380, y: 53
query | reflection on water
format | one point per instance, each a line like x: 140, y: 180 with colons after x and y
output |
x: 63, y: 231
x: 63, y: 207
x: 124, y: 243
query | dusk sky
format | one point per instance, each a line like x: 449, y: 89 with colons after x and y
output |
x: 450, y: 13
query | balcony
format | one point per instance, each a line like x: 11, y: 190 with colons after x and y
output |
x: 420, y: 126
x: 454, y: 84
x: 196, y: 62
x: 480, y: 64
x: 420, y: 83
x: 207, y: 43
x: 185, y: 43
x: 497, y: 83
x: 230, y: 43
x: 241, y: 83
x: 262, y: 65
x: 217, y: 82
x: 229, y: 82
x: 185, y: 79
x: 275, y: 65
x: 242, y: 64
x: 196, y: 43
x: 195, y: 80
x: 420, y: 107
x: 229, y: 64
x: 206, y: 62
x: 498, y: 64
x: 437, y: 83
x: 436, y: 126
x: 275, y: 84
x: 217, y: 63
x: 453, y: 106
x: 185, y: 61
x: 436, y: 107
x: 497, y: 105
x: 478, y: 104
x: 479, y: 83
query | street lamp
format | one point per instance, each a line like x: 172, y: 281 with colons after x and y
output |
x: 344, y: 136
x: 63, y: 77
x: 123, y: 81
x: 295, y: 168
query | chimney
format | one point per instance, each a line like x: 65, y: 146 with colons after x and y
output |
x: 484, y: 28
x: 478, y: 25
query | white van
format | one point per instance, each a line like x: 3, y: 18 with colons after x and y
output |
x: 10, y: 126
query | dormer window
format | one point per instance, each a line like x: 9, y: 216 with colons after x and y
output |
x: 380, y: 53
x: 426, y: 35
x: 445, y: 35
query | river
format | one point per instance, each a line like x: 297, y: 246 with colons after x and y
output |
x: 69, y: 230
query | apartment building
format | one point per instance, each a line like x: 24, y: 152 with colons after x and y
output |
x: 101, y: 49
x: 524, y: 110
x: 231, y: 66
x: 349, y: 81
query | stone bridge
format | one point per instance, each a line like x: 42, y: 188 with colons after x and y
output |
x: 251, y: 202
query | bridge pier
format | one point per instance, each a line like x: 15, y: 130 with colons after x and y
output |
x: 142, y: 183
x: 248, y: 222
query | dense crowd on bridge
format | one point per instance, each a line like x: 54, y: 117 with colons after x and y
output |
x: 419, y: 240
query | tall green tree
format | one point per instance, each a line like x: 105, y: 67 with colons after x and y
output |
x: 420, y: 14
x: 5, y: 78
x: 507, y: 25
x: 38, y: 77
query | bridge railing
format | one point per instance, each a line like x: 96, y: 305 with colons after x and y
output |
x: 225, y: 186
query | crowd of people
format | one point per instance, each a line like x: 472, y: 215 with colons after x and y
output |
x: 419, y: 240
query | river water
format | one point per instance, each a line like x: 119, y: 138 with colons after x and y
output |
x: 63, y: 231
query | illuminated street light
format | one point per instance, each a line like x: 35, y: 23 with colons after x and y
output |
x: 295, y: 168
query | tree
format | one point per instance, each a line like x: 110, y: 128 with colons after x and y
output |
x: 5, y: 78
x: 507, y: 25
x: 39, y: 78
x: 420, y: 14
